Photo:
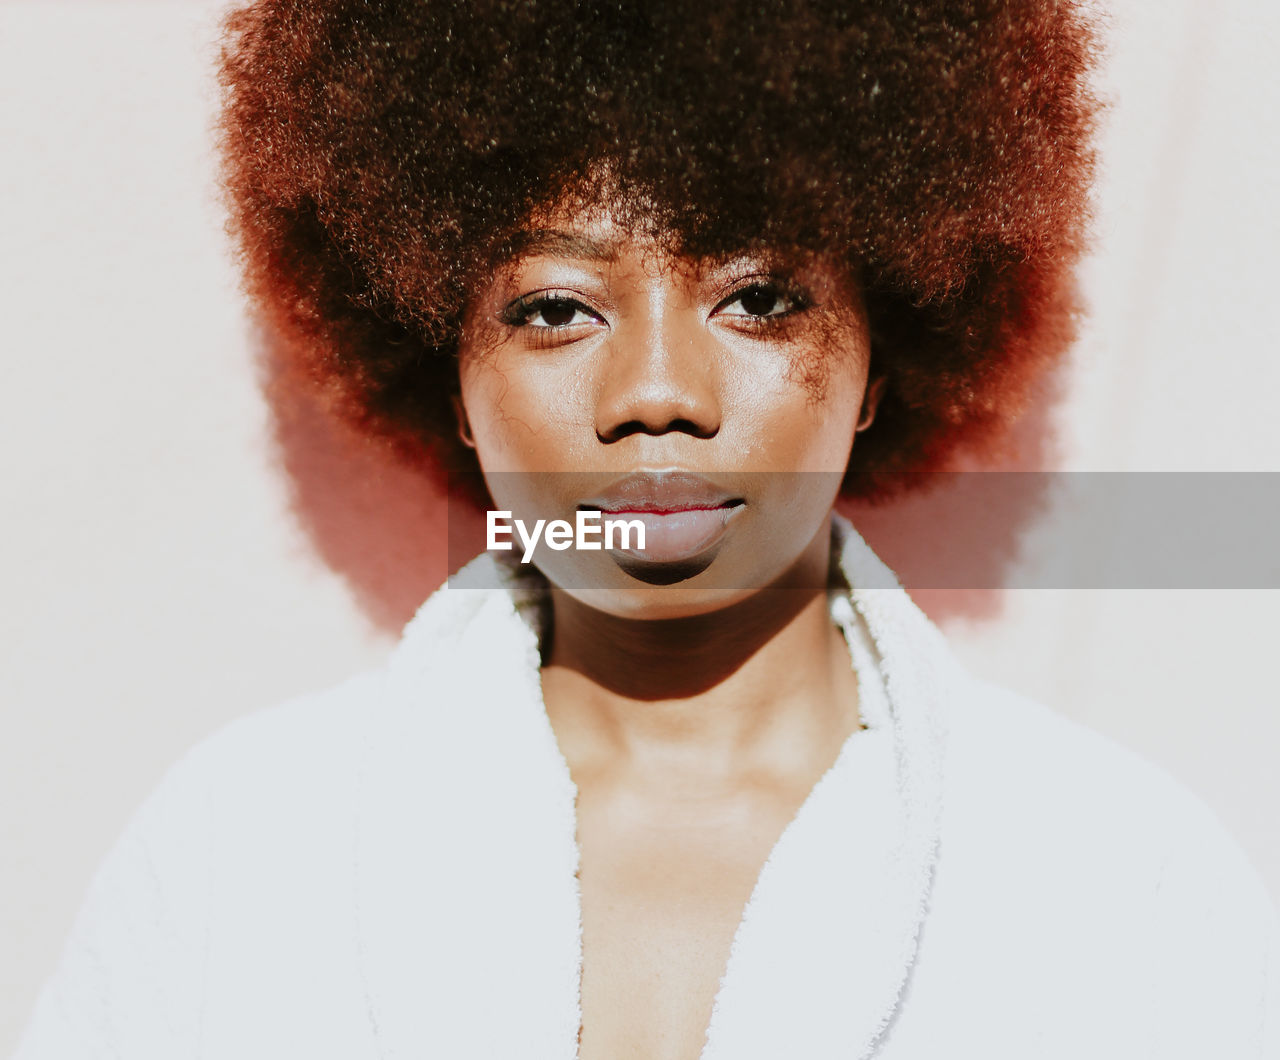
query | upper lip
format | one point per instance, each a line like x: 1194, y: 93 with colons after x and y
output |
x: 661, y: 491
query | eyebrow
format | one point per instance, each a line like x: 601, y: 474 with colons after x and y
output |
x: 552, y: 241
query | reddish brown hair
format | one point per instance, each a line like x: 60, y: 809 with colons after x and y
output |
x: 378, y: 155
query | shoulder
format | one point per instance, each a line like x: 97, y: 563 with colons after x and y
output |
x: 1021, y: 762
x: 304, y: 764
x: 1053, y: 782
x: 312, y: 726
x: 296, y: 758
x: 236, y: 831
x: 1109, y: 864
x: 275, y: 768
x: 286, y: 770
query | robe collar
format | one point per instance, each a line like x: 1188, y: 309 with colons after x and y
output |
x: 465, y: 860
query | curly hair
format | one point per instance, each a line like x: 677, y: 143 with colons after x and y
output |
x: 378, y: 156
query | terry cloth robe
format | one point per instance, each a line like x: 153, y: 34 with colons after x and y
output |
x: 388, y: 870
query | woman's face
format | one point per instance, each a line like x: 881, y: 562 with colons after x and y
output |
x: 716, y: 402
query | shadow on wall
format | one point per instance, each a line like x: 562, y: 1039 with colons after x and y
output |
x: 385, y: 527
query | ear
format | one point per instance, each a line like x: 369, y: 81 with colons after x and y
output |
x: 464, y: 424
x: 871, y: 401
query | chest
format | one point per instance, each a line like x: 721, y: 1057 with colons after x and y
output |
x: 663, y: 893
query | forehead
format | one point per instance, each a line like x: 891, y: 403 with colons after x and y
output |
x: 605, y: 233
x: 598, y: 224
x: 565, y: 239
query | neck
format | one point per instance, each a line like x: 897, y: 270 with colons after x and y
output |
x: 763, y: 683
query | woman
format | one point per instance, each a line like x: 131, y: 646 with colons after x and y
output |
x: 726, y: 794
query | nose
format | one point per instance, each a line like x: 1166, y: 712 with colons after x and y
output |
x: 660, y: 376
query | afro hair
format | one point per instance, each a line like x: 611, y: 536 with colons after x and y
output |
x: 377, y: 155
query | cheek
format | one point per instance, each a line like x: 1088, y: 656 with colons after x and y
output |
x: 798, y: 413
x: 519, y: 416
x: 493, y: 413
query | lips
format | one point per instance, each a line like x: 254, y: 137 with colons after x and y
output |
x: 661, y: 492
x: 684, y: 515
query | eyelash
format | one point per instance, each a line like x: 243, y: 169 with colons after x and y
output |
x: 794, y: 297
x: 519, y: 312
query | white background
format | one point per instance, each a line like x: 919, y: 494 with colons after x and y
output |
x: 155, y: 581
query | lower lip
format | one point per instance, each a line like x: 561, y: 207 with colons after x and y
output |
x: 670, y: 537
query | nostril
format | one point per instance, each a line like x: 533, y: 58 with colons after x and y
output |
x: 680, y: 426
x: 695, y: 429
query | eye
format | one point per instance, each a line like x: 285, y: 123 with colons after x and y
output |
x: 761, y: 300
x: 547, y: 311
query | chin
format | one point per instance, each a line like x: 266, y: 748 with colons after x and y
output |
x: 647, y: 602
x: 620, y: 585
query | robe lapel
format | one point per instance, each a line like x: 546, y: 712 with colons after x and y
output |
x: 826, y: 946
x: 468, y: 903
x: 467, y: 893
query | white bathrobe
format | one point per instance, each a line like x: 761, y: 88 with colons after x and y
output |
x: 388, y: 870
